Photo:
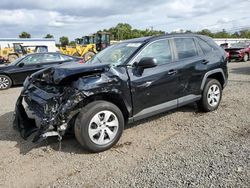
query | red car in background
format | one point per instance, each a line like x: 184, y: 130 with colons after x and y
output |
x: 239, y: 51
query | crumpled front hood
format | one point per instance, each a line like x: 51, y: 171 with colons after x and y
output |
x: 69, y: 70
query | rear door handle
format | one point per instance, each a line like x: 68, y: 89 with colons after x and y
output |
x: 204, y: 61
x: 172, y: 72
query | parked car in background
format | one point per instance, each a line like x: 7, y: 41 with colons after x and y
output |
x: 239, y: 51
x: 224, y: 45
x: 2, y: 60
x: 16, y: 72
x: 123, y: 83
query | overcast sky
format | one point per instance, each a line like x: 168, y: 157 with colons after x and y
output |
x: 75, y: 18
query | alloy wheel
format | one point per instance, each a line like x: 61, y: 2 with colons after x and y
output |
x: 103, y: 127
x: 4, y: 83
x: 213, y: 95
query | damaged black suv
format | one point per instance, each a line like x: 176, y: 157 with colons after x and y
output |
x: 125, y: 82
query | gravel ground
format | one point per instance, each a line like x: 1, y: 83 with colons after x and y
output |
x: 181, y: 148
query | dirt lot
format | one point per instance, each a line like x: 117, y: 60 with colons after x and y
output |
x: 181, y: 148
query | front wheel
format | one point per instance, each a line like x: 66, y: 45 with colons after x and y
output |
x: 99, y: 126
x: 5, y: 82
x: 245, y: 57
x: 211, y: 96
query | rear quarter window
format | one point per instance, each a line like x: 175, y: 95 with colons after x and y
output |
x: 206, y: 48
x: 185, y: 48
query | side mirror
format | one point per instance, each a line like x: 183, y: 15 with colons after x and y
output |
x: 20, y: 64
x: 145, y: 63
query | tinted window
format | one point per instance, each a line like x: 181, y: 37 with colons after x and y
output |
x: 51, y: 58
x: 160, y: 50
x: 66, y: 58
x: 206, y: 48
x: 185, y: 47
x: 32, y: 59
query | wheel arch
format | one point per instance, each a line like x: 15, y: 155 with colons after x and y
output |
x: 113, y: 98
x: 217, y: 74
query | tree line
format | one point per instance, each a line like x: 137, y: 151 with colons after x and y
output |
x: 123, y: 31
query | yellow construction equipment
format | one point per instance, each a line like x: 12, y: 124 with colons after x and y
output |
x: 88, y: 46
x: 10, y: 54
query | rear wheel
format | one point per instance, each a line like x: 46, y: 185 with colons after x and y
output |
x: 245, y: 57
x: 87, y: 56
x: 211, y: 96
x: 5, y: 82
x: 99, y: 126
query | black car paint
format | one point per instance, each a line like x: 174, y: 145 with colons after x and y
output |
x: 163, y: 87
x: 19, y: 73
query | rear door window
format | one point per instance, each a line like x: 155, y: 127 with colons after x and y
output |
x: 51, y: 58
x: 185, y: 47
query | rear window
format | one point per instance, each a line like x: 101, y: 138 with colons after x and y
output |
x: 206, y: 48
x: 67, y: 58
x: 185, y: 47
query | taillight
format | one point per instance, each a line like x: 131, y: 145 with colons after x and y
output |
x: 81, y: 61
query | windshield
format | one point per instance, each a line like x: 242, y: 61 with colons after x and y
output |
x: 16, y: 61
x: 238, y: 45
x: 116, y: 54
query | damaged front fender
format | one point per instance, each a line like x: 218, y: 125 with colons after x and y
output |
x: 53, y: 106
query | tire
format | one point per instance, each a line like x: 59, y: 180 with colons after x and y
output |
x: 87, y: 56
x: 5, y: 82
x: 245, y: 57
x: 93, y: 130
x: 12, y: 58
x: 211, y: 96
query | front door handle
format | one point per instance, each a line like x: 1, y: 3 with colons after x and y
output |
x: 204, y: 61
x: 172, y: 72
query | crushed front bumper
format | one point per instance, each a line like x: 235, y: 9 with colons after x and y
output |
x: 29, y: 116
x: 25, y: 125
x: 42, y: 112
